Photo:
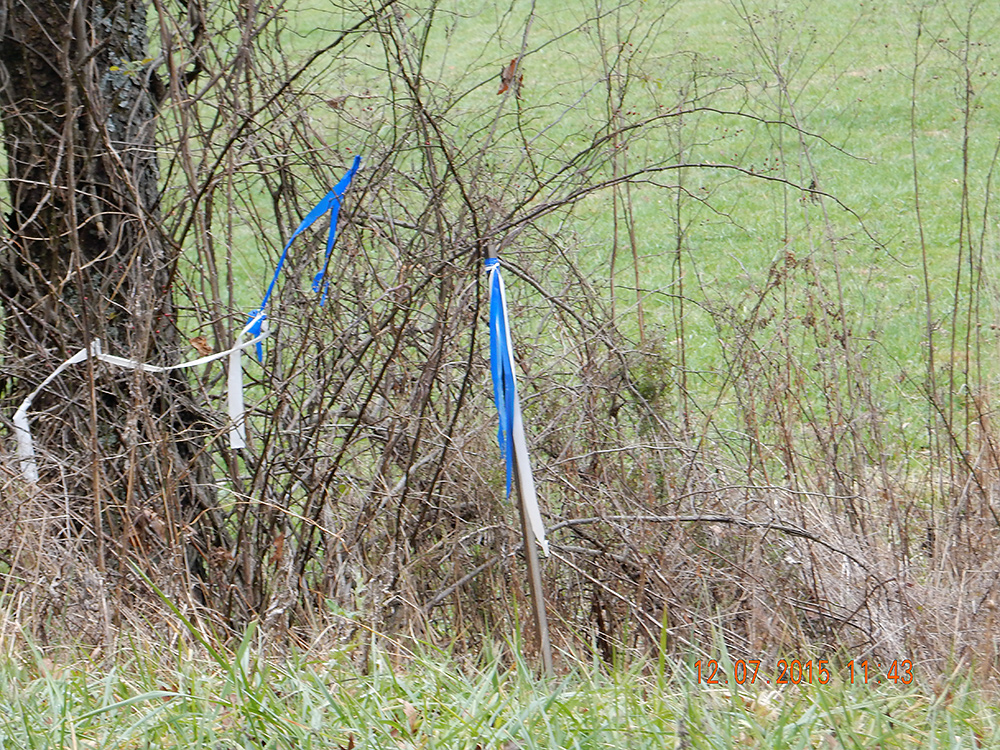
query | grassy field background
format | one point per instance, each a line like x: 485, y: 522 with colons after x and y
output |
x: 872, y: 105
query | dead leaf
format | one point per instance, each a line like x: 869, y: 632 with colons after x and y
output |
x: 278, y: 550
x: 412, y: 716
x: 511, y: 77
x: 201, y: 344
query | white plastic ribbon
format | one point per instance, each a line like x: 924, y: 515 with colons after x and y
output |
x: 237, y: 434
x: 234, y: 384
x: 527, y: 479
x: 25, y: 446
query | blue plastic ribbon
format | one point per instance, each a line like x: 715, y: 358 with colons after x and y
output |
x: 501, y: 367
x: 255, y: 326
x: 330, y: 202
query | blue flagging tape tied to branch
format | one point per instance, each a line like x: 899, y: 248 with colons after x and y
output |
x: 330, y: 203
x: 255, y: 323
x: 510, y: 434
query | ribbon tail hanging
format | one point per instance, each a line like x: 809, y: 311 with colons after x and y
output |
x: 22, y: 427
x: 320, y: 283
x: 234, y: 397
x: 528, y: 495
x: 256, y: 327
x: 25, y: 446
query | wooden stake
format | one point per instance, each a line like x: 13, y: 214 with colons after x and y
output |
x: 534, y: 580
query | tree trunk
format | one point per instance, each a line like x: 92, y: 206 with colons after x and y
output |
x: 84, y: 258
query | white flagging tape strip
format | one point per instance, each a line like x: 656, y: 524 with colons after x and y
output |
x: 528, y: 481
x: 234, y: 397
x: 25, y: 446
x: 237, y: 428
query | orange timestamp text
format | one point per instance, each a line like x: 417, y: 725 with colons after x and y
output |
x: 808, y: 672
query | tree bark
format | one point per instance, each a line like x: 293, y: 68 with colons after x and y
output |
x: 84, y: 258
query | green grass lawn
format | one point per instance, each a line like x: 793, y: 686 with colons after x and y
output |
x: 150, y: 699
x: 846, y: 74
x: 867, y: 104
